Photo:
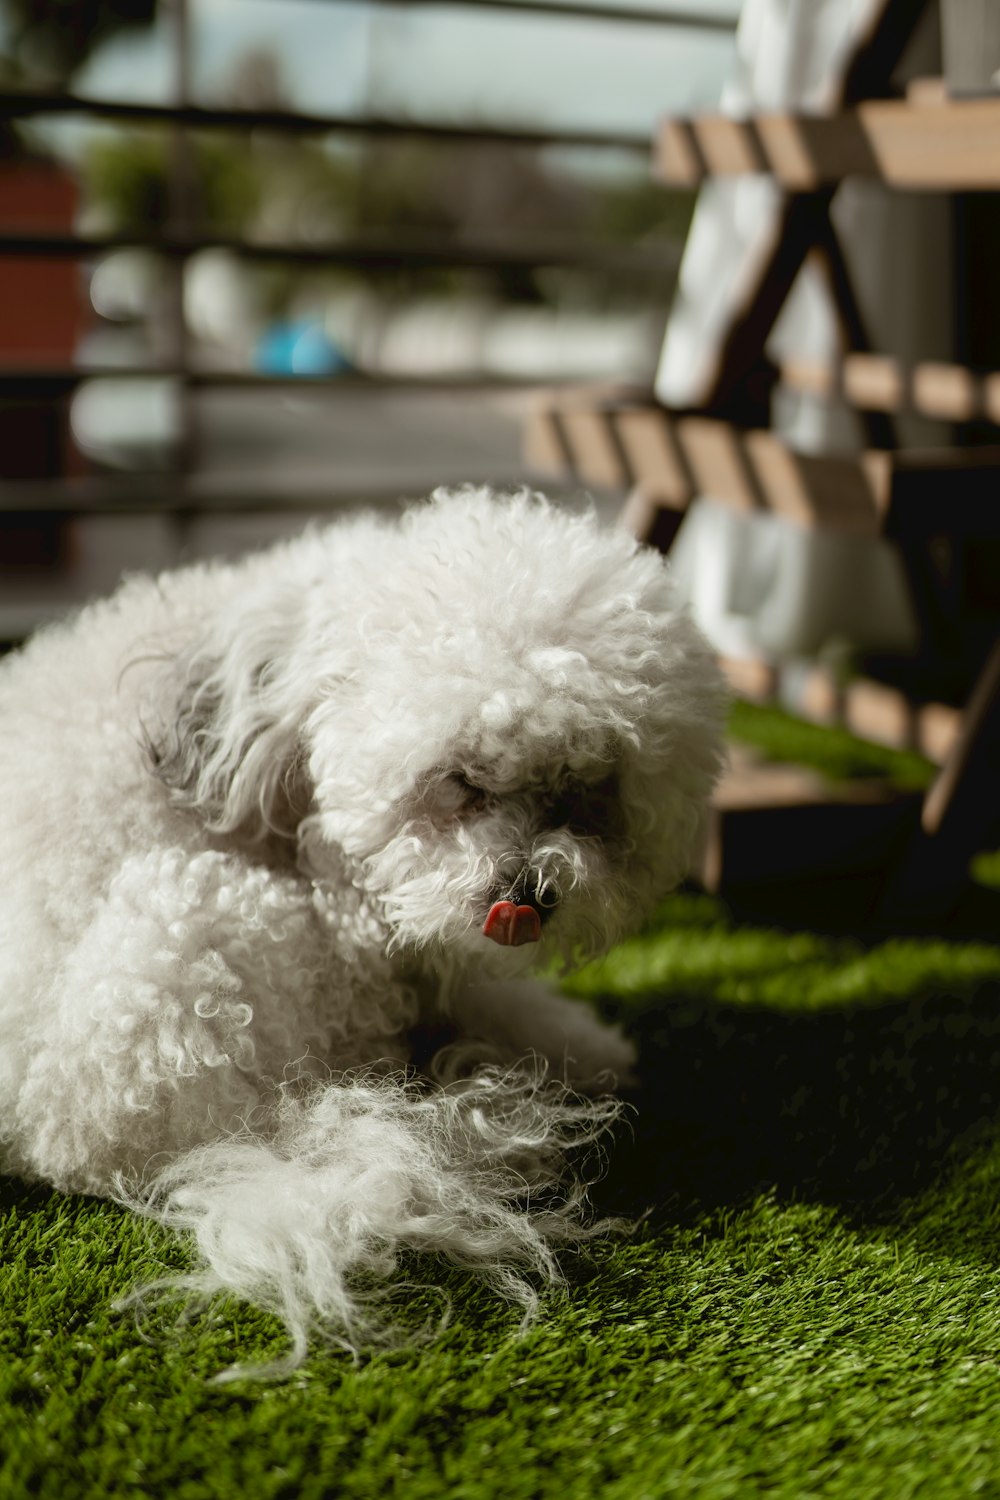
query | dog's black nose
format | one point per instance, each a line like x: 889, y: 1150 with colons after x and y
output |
x: 527, y: 892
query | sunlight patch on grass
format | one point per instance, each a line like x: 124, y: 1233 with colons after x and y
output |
x: 799, y: 970
x: 835, y: 753
x: 985, y: 869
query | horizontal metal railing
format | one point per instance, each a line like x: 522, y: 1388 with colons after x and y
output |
x: 369, y: 252
x: 14, y: 105
x: 183, y: 488
x: 703, y: 20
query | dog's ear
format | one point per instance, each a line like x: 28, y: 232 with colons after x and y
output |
x: 226, y: 741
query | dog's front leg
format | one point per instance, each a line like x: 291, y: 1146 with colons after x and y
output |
x: 515, y: 1018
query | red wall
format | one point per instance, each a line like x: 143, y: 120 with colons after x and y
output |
x: 41, y: 301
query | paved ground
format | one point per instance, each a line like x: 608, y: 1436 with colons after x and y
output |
x: 347, y: 447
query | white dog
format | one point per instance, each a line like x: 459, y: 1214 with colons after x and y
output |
x: 278, y: 843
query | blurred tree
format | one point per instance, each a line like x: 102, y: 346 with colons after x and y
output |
x: 127, y: 180
x: 48, y: 40
x: 272, y: 186
x: 640, y: 209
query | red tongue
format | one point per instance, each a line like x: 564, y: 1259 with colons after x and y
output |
x: 511, y: 925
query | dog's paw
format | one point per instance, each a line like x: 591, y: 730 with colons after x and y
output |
x: 597, y: 1056
x: 525, y: 1017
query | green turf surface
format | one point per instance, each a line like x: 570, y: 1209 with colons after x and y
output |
x: 836, y: 752
x: 810, y: 1306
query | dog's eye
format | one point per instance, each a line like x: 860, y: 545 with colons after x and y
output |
x: 474, y: 795
x: 586, y: 810
x: 457, y: 796
x: 566, y: 804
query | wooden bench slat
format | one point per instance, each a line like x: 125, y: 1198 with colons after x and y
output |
x: 873, y: 711
x: 922, y: 142
x: 676, y: 457
x: 879, y: 382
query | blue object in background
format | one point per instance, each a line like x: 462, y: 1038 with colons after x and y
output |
x: 299, y: 349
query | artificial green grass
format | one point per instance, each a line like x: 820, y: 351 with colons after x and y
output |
x: 985, y: 869
x: 837, y: 753
x: 809, y: 1304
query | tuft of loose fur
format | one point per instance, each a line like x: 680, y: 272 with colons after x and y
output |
x: 253, y: 820
x: 299, y: 1212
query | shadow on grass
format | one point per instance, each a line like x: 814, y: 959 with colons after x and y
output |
x: 863, y: 1108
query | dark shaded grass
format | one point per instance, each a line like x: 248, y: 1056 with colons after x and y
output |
x: 811, y: 1066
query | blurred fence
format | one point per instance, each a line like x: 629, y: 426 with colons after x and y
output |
x: 158, y: 305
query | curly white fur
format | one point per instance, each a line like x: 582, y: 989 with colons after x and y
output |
x: 253, y: 819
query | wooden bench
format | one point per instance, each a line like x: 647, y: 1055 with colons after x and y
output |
x: 783, y: 830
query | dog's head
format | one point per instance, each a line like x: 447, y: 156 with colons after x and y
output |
x: 498, y: 714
